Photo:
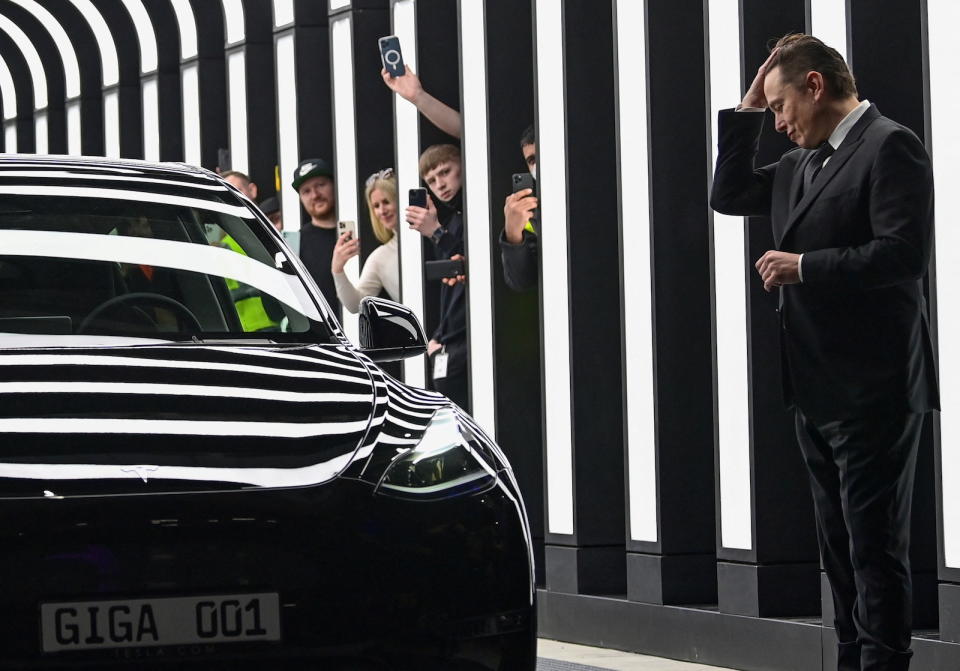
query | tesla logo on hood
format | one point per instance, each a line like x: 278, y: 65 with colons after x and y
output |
x: 140, y: 471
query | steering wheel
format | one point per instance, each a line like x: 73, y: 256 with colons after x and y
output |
x: 142, y: 297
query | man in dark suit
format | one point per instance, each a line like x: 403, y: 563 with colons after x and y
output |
x: 851, y: 210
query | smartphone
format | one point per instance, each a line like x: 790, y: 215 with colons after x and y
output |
x: 437, y: 270
x: 391, y: 56
x: 417, y: 198
x: 523, y: 180
x: 347, y: 227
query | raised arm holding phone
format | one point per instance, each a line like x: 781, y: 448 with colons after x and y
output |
x: 403, y: 81
x: 851, y: 209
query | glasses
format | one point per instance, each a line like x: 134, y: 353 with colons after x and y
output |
x: 386, y: 173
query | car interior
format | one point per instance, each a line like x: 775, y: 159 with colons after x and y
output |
x: 64, y: 296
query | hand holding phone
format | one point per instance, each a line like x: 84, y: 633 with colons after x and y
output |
x: 520, y: 207
x: 391, y: 56
x: 443, y: 269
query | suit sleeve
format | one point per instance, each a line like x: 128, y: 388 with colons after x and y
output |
x: 519, y: 261
x: 901, y: 220
x: 738, y: 187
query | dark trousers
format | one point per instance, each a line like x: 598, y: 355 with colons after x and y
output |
x: 454, y: 387
x: 861, y: 473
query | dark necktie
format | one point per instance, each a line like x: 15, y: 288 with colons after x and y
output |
x: 815, y: 163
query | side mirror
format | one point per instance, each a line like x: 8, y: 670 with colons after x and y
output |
x: 389, y: 331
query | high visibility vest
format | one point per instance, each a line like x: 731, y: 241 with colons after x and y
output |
x: 253, y: 316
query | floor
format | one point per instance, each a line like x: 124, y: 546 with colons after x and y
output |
x: 557, y: 656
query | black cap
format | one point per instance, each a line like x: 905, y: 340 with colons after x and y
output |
x: 270, y: 205
x: 311, y: 167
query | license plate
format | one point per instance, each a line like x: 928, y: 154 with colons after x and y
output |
x: 148, y: 622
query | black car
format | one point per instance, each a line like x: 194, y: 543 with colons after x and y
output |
x: 198, y: 468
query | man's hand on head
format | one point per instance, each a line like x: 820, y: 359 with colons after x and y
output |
x: 517, y: 211
x: 407, y: 85
x: 778, y: 268
x: 755, y: 97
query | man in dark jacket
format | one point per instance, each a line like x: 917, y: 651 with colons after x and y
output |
x: 852, y: 212
x: 440, y: 168
x: 518, y: 240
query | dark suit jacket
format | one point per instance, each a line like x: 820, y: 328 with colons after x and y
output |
x: 855, y: 338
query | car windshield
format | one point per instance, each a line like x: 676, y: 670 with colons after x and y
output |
x: 161, y: 263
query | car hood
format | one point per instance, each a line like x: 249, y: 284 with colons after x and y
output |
x: 161, y: 418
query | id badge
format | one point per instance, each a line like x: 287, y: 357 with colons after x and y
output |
x: 440, y: 365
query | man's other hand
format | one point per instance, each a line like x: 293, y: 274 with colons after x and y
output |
x: 432, y: 347
x: 517, y: 211
x: 755, y: 97
x: 451, y: 281
x: 778, y: 268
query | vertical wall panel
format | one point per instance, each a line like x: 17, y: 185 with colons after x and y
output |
x: 151, y: 118
x: 635, y: 237
x: 287, y: 137
x: 581, y: 298
x: 766, y: 542
x: 944, y: 16
x: 407, y: 134
x: 477, y: 214
x: 237, y: 110
x: 552, y: 185
x: 191, y: 114
x: 731, y: 384
x: 19, y: 20
x: 665, y: 242
x: 345, y: 143
x: 64, y: 84
x: 516, y: 314
x: 894, y: 81
x: 828, y: 21
x: 74, y: 137
x: 40, y: 132
x: 260, y: 83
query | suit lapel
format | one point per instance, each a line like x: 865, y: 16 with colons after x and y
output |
x: 780, y: 224
x: 850, y: 144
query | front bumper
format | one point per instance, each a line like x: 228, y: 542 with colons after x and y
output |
x: 363, y: 579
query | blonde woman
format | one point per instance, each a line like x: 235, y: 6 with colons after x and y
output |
x: 382, y: 269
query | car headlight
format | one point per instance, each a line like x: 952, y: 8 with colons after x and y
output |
x: 447, y: 461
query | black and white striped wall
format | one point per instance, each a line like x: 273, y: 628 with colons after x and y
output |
x: 637, y: 391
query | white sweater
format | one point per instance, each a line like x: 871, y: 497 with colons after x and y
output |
x: 381, y: 271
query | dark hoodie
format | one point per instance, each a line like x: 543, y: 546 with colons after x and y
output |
x: 452, y: 329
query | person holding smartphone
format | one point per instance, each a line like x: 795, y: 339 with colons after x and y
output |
x: 518, y: 240
x: 313, y: 181
x: 382, y: 268
x: 440, y: 168
x: 408, y: 87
